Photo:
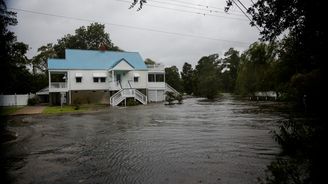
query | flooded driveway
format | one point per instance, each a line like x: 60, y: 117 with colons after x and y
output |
x: 227, y: 141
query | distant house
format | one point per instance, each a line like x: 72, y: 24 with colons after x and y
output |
x: 107, y: 77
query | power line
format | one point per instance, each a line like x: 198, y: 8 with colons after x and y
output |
x: 186, y: 11
x: 245, y: 14
x: 128, y: 26
x: 242, y: 4
x: 195, y: 4
x: 197, y: 7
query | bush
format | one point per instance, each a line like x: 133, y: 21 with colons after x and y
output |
x: 33, y: 101
x: 179, y: 98
x: 77, y: 103
x: 169, y: 97
x: 131, y: 102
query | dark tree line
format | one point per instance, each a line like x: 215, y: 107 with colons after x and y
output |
x: 22, y: 75
x: 300, y: 70
x: 15, y: 74
x: 211, y: 75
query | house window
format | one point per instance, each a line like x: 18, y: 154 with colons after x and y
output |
x: 151, y: 77
x: 99, y: 79
x: 136, y: 79
x: 78, y: 79
x: 159, y: 77
x: 155, y: 77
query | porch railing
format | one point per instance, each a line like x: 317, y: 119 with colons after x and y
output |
x: 58, y: 85
x: 157, y: 67
x: 126, y: 93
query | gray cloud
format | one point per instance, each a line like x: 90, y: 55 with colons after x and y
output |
x: 169, y: 49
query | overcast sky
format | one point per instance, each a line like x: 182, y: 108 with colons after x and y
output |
x: 167, y: 31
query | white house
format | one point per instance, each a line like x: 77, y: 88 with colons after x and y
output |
x: 92, y: 76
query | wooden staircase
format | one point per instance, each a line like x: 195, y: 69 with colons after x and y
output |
x: 122, y: 94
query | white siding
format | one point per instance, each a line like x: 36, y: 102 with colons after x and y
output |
x: 87, y: 80
x: 155, y: 95
x: 88, y: 84
x: 111, y: 83
x: 156, y: 85
x: 142, y: 82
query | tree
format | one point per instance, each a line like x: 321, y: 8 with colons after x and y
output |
x: 15, y: 76
x: 255, y: 70
x: 149, y: 61
x: 229, y: 67
x: 39, y: 62
x: 169, y: 97
x: 302, y: 20
x: 172, y: 77
x: 207, y: 76
x: 91, y: 37
x: 7, y: 38
x: 187, y: 78
x: 135, y: 2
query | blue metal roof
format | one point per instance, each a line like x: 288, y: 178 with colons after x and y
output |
x: 97, y: 60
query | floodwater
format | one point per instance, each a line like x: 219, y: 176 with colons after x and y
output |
x: 227, y: 141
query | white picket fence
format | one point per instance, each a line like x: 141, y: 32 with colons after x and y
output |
x: 15, y: 100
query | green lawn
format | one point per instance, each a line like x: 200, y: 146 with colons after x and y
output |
x: 8, y: 110
x: 64, y: 109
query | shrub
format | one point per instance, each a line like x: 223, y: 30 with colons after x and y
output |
x: 33, y: 101
x: 179, y: 98
x: 169, y: 97
x: 131, y: 102
x: 77, y: 103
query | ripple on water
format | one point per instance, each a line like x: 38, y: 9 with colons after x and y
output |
x: 226, y: 141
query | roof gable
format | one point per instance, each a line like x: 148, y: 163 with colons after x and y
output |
x: 94, y: 59
x: 122, y: 64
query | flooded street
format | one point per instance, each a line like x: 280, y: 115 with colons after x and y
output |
x: 227, y: 141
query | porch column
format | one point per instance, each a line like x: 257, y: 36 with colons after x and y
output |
x: 113, y: 78
x: 49, y: 78
x: 70, y: 96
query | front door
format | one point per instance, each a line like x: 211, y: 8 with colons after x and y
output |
x: 118, y: 77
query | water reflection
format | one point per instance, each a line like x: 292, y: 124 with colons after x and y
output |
x: 196, y: 142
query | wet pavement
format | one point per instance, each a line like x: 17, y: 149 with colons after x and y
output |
x: 227, y: 141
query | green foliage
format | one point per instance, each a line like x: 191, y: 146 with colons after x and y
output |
x: 309, y: 85
x: 229, y: 68
x: 170, y: 97
x: 301, y: 160
x: 77, y: 103
x: 16, y: 77
x: 39, y: 62
x: 172, y: 77
x: 140, y: 2
x: 131, y: 102
x: 286, y: 171
x: 207, y: 76
x: 255, y: 72
x: 5, y: 111
x: 187, y: 76
x: 64, y: 109
x: 87, y: 38
x: 179, y: 98
x: 149, y: 61
x: 33, y: 101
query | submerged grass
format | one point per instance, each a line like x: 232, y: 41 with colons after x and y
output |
x: 71, y: 108
x: 64, y: 109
